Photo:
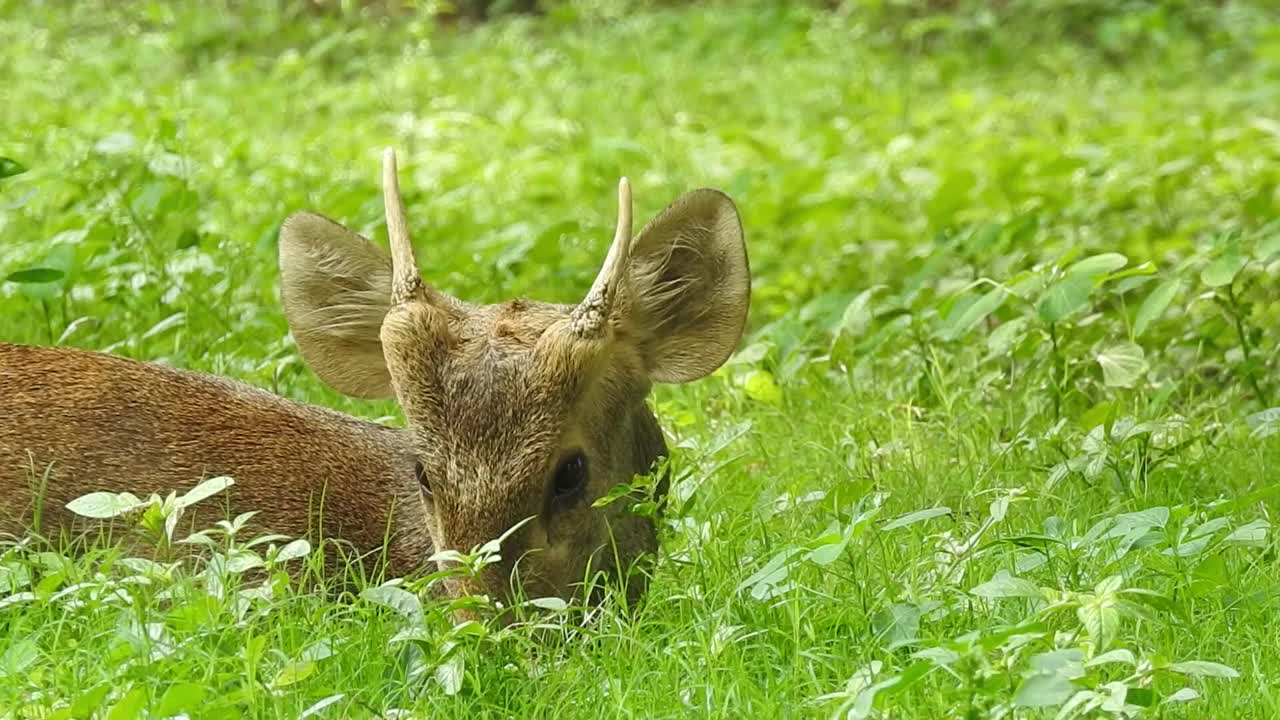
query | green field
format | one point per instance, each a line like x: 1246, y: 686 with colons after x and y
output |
x: 1002, y: 440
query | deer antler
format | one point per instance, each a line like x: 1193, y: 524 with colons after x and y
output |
x: 592, y: 314
x: 405, y: 281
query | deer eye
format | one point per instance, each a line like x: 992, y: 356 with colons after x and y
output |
x: 420, y: 472
x: 571, y: 476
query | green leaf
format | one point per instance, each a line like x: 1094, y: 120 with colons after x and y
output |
x: 321, y: 705
x: 23, y: 597
x: 180, y: 698
x: 1004, y: 585
x: 293, y: 673
x: 1043, y: 690
x: 1007, y: 336
x: 1209, y: 527
x: 912, y: 518
x: 1266, y: 430
x: 1203, y: 668
x: 1119, y: 655
x: 770, y: 580
x: 1109, y: 585
x: 396, y: 598
x: 830, y: 545
x: 1068, y: 662
x: 206, y: 489
x: 318, y: 650
x: 857, y: 314
x: 760, y: 386
x: 1132, y: 277
x: 1223, y: 270
x: 897, y: 624
x: 1258, y: 419
x: 1264, y: 424
x: 551, y: 604
x: 165, y: 325
x: 1122, y: 364
x: 1253, y: 534
x: 10, y: 167
x: 750, y: 355
x: 1155, y: 304
x: 19, y: 202
x: 88, y: 702
x: 1140, y: 696
x: 103, y: 505
x: 130, y: 706
x: 1096, y: 265
x: 188, y: 238
x: 1100, y: 616
x: 450, y: 674
x: 116, y: 143
x: 1186, y: 694
x: 18, y: 657
x: 296, y: 549
x: 241, y: 560
x: 1126, y: 523
x: 968, y: 318
x: 617, y: 492
x: 1270, y: 245
x: 952, y: 195
x: 999, y: 507
x: 36, y: 275
x: 1065, y: 298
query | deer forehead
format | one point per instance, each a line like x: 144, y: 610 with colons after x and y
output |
x: 511, y: 327
x: 506, y: 390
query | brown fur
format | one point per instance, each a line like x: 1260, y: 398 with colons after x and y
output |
x: 77, y: 422
x: 496, y: 397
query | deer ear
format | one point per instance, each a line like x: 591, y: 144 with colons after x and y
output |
x: 337, y: 289
x: 688, y: 287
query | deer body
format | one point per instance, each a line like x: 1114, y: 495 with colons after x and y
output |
x: 77, y: 422
x: 519, y: 414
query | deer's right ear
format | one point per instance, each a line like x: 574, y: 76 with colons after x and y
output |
x: 337, y: 289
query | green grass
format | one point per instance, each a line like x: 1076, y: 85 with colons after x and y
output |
x: 1000, y: 412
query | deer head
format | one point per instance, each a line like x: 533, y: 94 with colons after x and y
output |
x: 523, y: 410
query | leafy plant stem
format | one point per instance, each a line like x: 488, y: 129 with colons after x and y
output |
x: 48, y: 318
x: 1237, y: 315
x: 1058, y: 372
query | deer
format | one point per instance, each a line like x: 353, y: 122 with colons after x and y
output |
x: 517, y: 415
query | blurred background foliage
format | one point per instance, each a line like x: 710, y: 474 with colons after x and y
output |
x: 1005, y: 251
x: 906, y: 146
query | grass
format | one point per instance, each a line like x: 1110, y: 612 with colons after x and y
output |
x: 997, y: 444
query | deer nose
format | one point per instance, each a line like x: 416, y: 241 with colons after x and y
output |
x: 491, y: 582
x: 485, y: 595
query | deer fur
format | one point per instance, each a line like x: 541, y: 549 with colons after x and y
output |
x: 517, y: 411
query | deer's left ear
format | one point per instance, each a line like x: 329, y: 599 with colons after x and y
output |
x: 687, y: 287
